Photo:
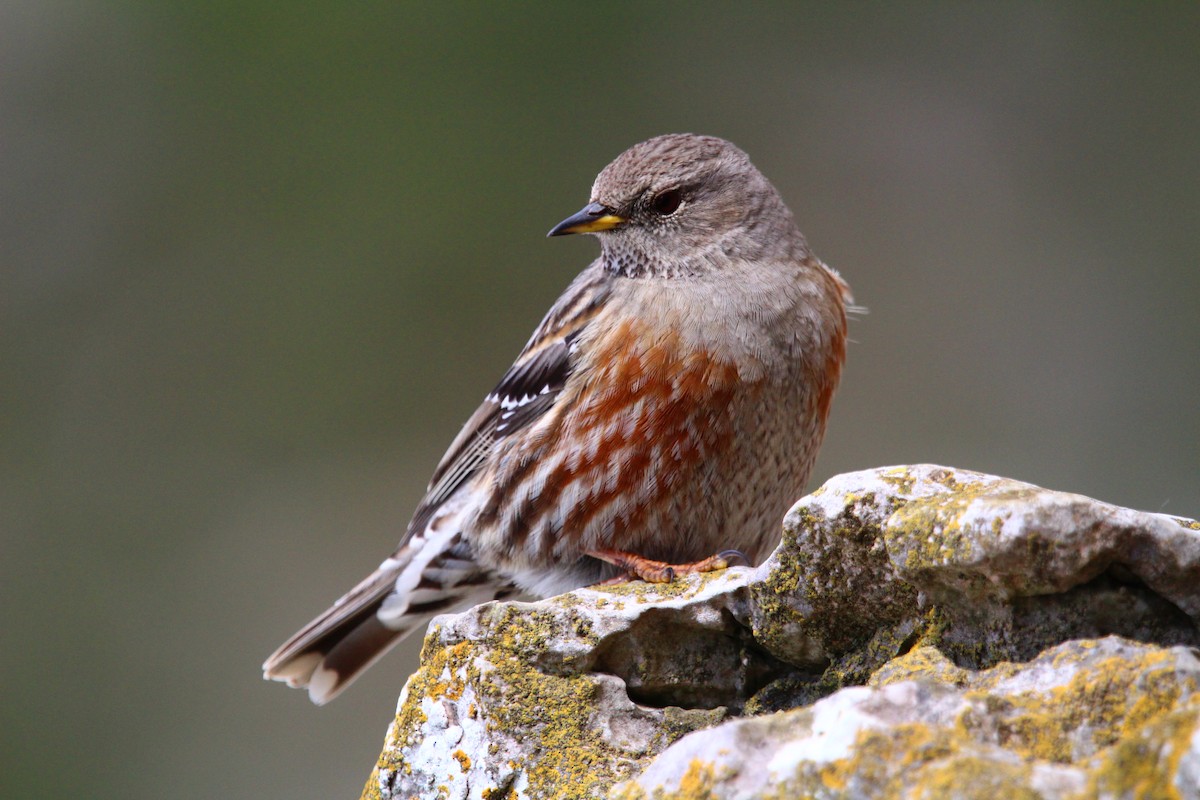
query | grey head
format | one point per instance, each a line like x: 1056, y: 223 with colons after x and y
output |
x: 683, y: 204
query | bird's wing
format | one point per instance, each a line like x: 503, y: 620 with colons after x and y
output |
x: 527, y: 391
x: 433, y: 570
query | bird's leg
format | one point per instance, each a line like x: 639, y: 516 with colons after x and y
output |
x: 660, y: 571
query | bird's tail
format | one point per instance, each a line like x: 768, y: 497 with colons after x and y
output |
x: 398, y: 598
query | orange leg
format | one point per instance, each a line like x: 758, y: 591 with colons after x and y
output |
x: 660, y: 571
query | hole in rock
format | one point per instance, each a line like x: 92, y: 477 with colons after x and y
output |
x: 668, y: 660
x: 1116, y: 603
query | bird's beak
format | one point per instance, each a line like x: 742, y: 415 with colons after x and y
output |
x: 592, y: 218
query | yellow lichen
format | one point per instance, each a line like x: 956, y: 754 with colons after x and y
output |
x: 684, y: 586
x: 1144, y: 764
x: 911, y: 760
x: 1105, y: 703
x: 877, y: 760
x: 900, y: 479
x: 920, y: 663
x: 928, y: 530
x: 699, y: 782
x: 972, y: 778
x: 564, y: 753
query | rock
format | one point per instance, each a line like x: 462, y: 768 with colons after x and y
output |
x: 986, y: 568
x: 564, y: 697
x: 1089, y: 718
x: 920, y: 629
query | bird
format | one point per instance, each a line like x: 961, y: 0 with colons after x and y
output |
x: 660, y: 420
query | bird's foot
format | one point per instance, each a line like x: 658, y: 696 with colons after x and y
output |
x: 660, y: 571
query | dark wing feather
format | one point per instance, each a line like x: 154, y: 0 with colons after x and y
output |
x: 527, y: 391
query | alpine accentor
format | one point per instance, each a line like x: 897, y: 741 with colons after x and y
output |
x: 669, y: 406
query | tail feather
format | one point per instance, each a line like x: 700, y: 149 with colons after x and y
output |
x: 349, y: 621
x: 400, y: 597
x: 353, y: 655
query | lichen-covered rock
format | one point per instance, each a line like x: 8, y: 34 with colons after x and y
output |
x: 1062, y: 726
x: 564, y: 697
x: 920, y: 629
x: 986, y: 568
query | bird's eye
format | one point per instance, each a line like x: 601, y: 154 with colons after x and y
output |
x: 666, y: 203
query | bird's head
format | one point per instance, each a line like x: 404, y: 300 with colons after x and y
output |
x: 683, y: 204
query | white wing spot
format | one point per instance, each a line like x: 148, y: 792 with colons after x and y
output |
x: 510, y: 404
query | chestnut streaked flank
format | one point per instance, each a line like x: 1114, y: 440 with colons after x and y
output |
x: 665, y: 413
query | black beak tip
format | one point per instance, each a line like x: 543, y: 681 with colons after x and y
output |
x: 579, y: 221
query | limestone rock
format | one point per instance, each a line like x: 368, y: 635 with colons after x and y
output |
x: 1091, y: 718
x: 989, y: 569
x: 919, y: 629
x: 564, y: 697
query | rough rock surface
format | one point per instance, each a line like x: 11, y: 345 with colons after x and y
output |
x: 920, y: 632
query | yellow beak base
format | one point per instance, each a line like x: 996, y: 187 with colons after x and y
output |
x: 592, y: 218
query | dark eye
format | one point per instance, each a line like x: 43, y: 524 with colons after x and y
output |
x: 666, y: 203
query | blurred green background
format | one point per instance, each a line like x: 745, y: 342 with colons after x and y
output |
x: 259, y: 261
